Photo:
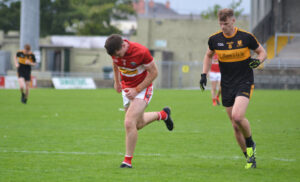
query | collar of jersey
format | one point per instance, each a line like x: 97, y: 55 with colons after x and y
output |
x: 129, y: 48
x: 235, y: 31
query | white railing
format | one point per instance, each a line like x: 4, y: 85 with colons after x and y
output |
x: 278, y: 34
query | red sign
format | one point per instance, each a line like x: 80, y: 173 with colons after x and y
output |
x: 2, y: 81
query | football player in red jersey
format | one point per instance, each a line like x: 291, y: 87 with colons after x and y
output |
x: 134, y: 72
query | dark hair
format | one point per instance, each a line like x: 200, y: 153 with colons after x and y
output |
x: 223, y: 14
x: 27, y: 47
x: 113, y: 43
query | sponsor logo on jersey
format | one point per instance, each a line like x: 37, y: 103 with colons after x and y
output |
x: 229, y: 45
x: 233, y: 55
x: 220, y: 44
x: 239, y: 43
x: 128, y: 72
x: 133, y: 63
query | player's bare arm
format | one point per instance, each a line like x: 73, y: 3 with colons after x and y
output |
x: 16, y: 62
x: 117, y: 84
x: 152, y: 74
x: 206, y: 66
x: 207, y: 60
x: 261, y: 56
x: 261, y: 53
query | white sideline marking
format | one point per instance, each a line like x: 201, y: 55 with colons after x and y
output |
x: 140, y: 154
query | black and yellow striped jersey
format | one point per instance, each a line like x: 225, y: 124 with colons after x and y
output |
x: 233, y: 55
x: 22, y: 57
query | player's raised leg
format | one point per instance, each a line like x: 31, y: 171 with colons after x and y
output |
x: 136, y: 119
x: 164, y: 114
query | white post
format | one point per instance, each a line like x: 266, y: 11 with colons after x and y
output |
x: 30, y: 24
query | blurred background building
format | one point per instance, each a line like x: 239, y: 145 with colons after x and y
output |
x: 177, y: 42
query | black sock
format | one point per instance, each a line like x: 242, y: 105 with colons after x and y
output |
x: 245, y: 154
x: 249, y: 142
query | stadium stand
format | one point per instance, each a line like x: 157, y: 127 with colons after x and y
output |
x: 277, y: 27
x: 282, y: 71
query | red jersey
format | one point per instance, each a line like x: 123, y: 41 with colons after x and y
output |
x: 215, y: 66
x: 131, y: 65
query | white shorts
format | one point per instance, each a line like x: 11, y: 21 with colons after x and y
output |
x: 145, y: 95
x: 215, y: 76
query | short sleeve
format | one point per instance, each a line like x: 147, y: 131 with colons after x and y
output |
x: 253, y: 43
x: 18, y: 54
x: 210, y: 44
x: 147, y: 57
x: 33, y: 58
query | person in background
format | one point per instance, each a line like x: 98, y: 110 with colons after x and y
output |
x: 215, y: 79
x: 24, y: 59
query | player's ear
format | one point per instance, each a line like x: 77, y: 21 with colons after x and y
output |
x: 123, y: 45
x: 233, y: 19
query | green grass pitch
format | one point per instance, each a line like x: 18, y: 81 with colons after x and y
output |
x: 78, y: 135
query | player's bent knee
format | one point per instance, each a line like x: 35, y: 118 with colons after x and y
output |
x: 140, y: 125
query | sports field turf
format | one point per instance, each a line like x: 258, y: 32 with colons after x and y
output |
x: 78, y: 135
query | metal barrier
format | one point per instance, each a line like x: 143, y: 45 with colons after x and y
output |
x: 175, y: 74
x: 282, y: 63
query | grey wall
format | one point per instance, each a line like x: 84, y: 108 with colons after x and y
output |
x: 285, y: 14
x: 290, y: 15
x: 186, y: 38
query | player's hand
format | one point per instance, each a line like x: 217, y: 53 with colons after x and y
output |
x: 118, y: 87
x: 254, y: 63
x: 17, y: 65
x: 130, y: 93
x: 27, y: 62
x: 203, y: 81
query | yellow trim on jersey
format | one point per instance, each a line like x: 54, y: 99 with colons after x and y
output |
x: 235, y: 31
x: 215, y: 33
x: 251, y: 91
x: 250, y: 34
x: 233, y: 55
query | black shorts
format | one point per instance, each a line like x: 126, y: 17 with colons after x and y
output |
x: 24, y: 72
x: 229, y: 94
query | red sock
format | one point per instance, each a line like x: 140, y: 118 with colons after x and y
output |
x: 127, y: 159
x: 162, y: 115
